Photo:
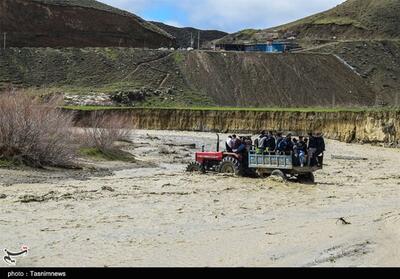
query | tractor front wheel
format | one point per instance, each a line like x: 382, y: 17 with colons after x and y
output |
x: 230, y: 165
x: 194, y: 167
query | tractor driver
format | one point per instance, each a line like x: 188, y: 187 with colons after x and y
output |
x: 239, y: 146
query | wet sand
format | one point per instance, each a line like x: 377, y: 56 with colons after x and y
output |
x: 161, y: 216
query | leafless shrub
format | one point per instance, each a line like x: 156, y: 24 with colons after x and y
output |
x: 105, y: 130
x: 34, y: 133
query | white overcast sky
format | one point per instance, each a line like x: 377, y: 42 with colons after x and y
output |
x: 226, y: 15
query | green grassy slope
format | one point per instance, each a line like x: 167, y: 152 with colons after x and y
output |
x: 354, y: 19
x: 178, y: 78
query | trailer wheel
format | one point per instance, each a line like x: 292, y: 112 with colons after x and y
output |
x: 194, y: 167
x: 230, y: 165
x: 279, y: 173
x: 262, y: 174
x: 306, y: 178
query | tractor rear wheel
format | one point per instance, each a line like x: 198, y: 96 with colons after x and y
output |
x: 230, y: 165
x: 194, y: 167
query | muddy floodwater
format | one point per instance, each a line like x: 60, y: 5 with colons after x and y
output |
x: 153, y: 213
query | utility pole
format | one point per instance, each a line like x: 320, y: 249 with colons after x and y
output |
x: 198, y: 42
x: 191, y: 40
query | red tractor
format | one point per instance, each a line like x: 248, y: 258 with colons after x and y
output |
x: 222, y: 162
x: 251, y: 162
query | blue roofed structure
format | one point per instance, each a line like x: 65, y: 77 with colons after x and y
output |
x: 269, y: 47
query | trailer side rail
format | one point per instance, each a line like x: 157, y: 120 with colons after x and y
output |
x: 269, y: 161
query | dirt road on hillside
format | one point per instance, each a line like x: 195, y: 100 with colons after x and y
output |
x: 161, y: 216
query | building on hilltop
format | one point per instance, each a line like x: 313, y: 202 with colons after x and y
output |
x: 269, y: 47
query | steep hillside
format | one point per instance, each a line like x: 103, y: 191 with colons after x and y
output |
x: 257, y: 80
x: 378, y: 62
x: 73, y: 23
x: 364, y: 33
x: 186, y: 34
x: 354, y: 19
x: 166, y: 78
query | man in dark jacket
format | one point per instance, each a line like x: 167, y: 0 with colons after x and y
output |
x: 286, y: 145
x: 320, y: 142
x: 278, y: 139
x: 271, y: 142
x: 320, y: 147
x: 312, y: 149
x: 289, y: 144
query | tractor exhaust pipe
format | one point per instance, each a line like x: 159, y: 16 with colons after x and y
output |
x: 217, y: 143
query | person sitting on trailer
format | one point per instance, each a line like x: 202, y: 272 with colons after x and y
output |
x: 262, y: 143
x: 278, y: 139
x: 301, y: 148
x: 257, y: 141
x: 285, y: 146
x: 271, y: 142
x: 289, y: 144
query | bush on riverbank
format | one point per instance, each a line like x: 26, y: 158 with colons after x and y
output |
x: 99, y: 140
x: 34, y: 133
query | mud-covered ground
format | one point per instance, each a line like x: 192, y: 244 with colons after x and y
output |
x: 155, y: 214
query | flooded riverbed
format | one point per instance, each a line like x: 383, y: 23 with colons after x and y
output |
x: 156, y: 214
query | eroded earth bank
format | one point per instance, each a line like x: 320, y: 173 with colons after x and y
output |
x: 348, y: 126
x: 155, y: 214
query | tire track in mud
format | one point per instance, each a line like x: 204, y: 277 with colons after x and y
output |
x: 336, y: 253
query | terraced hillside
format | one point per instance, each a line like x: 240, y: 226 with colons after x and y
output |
x: 73, y: 23
x: 188, y: 78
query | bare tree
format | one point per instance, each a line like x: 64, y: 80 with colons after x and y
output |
x: 34, y: 133
x: 105, y: 131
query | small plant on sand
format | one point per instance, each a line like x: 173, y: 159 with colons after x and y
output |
x: 34, y: 133
x: 99, y: 140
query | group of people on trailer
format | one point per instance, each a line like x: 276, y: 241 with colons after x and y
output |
x: 305, y: 150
